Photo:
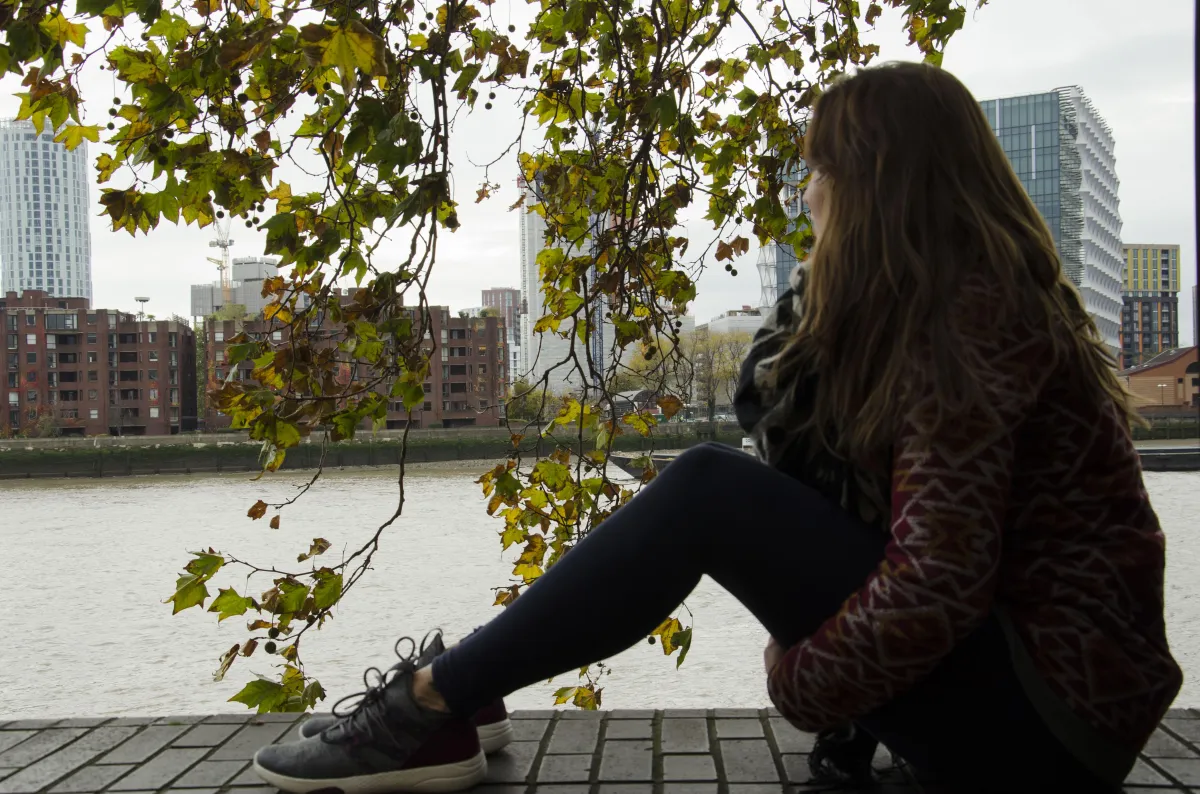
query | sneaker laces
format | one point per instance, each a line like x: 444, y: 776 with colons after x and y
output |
x: 364, y: 717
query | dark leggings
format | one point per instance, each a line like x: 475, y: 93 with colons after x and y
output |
x: 791, y: 558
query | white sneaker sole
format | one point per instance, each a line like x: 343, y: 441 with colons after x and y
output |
x: 495, y: 736
x: 432, y: 779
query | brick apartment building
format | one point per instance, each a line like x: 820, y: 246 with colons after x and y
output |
x: 465, y: 387
x: 95, y: 371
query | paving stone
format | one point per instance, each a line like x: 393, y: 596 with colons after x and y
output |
x: 748, y: 761
x: 736, y: 713
x: 122, y: 722
x: 278, y: 716
x: 160, y: 770
x: 790, y: 740
x: 209, y: 735
x: 1143, y: 775
x: 632, y: 714
x: 1185, y: 770
x: 630, y: 761
x: 739, y: 729
x: 529, y: 730
x: 248, y: 777
x: 261, y: 788
x: 1163, y: 745
x: 565, y: 769
x: 143, y: 745
x: 561, y: 788
x: 675, y: 714
x: 497, y: 789
x: 1187, y: 728
x: 91, y: 778
x: 574, y: 736
x: 207, y: 774
x: 689, y: 788
x: 685, y: 736
x: 182, y: 719
x: 230, y: 719
x: 582, y: 715
x: 689, y: 767
x: 13, y: 738
x: 38, y: 746
x: 82, y: 722
x: 763, y: 788
x: 1183, y: 714
x: 512, y: 764
x: 629, y: 729
x: 29, y: 725
x: 5, y: 773
x: 796, y: 768
x: 535, y: 714
x: 247, y: 741
x: 64, y: 761
x: 197, y: 790
x: 622, y: 788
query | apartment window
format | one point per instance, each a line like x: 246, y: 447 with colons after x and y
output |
x: 152, y: 337
x: 173, y: 396
x: 31, y: 396
x: 174, y: 359
x: 30, y: 319
x: 12, y: 341
x: 277, y: 336
x: 154, y: 394
x: 220, y: 356
x: 94, y: 413
x: 31, y: 339
x: 218, y: 336
x: 91, y: 320
x: 112, y: 341
x: 31, y: 358
x: 152, y: 374
x: 93, y: 357
x: 153, y: 412
x: 14, y: 398
x: 154, y: 355
x: 172, y: 339
x: 11, y: 322
x: 31, y: 377
x: 13, y: 380
x: 93, y: 394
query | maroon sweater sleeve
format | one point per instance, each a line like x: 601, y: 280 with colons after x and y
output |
x: 938, y: 577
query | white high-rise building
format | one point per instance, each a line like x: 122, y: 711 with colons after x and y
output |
x: 45, y: 236
x: 245, y: 287
x: 1063, y: 152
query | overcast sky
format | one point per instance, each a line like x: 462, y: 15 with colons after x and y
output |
x: 1135, y: 65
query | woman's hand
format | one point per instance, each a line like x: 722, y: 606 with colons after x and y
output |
x: 772, y: 655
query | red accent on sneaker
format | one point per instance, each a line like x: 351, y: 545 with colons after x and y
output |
x: 452, y: 743
x: 493, y: 712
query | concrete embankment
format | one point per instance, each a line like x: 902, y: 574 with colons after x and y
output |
x: 105, y: 456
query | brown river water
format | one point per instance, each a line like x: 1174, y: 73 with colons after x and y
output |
x: 87, y: 563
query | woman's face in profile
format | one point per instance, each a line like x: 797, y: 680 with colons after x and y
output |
x: 815, y: 197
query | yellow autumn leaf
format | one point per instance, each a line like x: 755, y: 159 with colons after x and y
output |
x: 354, y: 47
x: 62, y: 30
x: 73, y: 135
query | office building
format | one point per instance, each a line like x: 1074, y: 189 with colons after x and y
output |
x: 546, y: 357
x: 45, y: 210
x: 777, y: 260
x: 465, y: 387
x: 507, y: 301
x: 745, y: 320
x: 245, y: 289
x: 1150, y: 316
x: 1063, y: 152
x: 95, y: 371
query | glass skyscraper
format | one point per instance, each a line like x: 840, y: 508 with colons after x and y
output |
x: 45, y: 238
x: 1062, y: 151
x: 776, y: 260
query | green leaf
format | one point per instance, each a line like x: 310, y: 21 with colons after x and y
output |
x: 262, y: 694
x: 291, y: 595
x: 190, y: 591
x: 328, y: 589
x: 229, y: 604
x: 205, y: 564
x: 74, y: 134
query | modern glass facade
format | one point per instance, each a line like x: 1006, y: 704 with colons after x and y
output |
x: 1062, y: 151
x: 45, y: 237
x: 777, y: 260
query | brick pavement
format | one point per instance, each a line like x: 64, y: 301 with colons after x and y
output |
x: 714, y: 751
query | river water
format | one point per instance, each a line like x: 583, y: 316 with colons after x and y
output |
x: 87, y: 563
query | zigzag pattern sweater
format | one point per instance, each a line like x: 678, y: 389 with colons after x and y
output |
x: 1046, y: 524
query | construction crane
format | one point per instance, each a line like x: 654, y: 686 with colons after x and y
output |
x: 224, y: 242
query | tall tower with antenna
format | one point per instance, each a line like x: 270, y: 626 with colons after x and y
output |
x: 224, y: 242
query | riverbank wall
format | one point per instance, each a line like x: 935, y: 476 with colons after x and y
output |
x: 105, y: 456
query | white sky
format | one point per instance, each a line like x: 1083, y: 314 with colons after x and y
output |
x: 1136, y: 67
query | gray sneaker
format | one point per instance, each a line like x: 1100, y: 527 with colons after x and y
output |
x: 491, y: 722
x: 387, y: 743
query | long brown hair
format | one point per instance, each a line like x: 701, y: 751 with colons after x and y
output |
x: 920, y: 201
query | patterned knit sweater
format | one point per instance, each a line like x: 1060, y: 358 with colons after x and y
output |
x: 1045, y: 523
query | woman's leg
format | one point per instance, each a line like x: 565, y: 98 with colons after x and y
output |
x: 786, y: 553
